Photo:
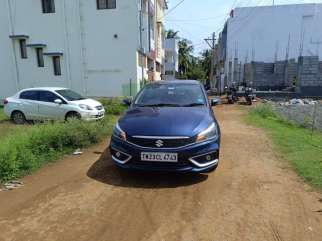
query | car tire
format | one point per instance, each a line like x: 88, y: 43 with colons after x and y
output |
x: 18, y: 118
x: 73, y: 116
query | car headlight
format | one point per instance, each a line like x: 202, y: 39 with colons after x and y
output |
x: 85, y: 107
x: 210, y: 133
x: 119, y: 133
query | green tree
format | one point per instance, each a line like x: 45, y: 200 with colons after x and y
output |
x: 197, y: 73
x: 172, y: 34
x: 205, y: 60
x: 190, y: 66
x: 185, y: 56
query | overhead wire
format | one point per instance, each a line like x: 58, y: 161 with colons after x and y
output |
x: 235, y: 4
x: 226, y: 16
x: 196, y: 20
x: 175, y: 7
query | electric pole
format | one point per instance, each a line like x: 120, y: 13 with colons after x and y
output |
x: 142, y: 52
x: 212, y: 44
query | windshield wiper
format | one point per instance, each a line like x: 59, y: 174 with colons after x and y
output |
x: 160, y: 105
x: 194, y: 104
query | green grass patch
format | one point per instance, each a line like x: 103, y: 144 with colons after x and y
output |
x: 24, y: 149
x: 294, y: 142
x: 22, y: 152
x: 5, y: 127
x: 3, y: 117
x: 113, y: 106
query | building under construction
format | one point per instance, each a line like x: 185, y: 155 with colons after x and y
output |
x: 272, y: 48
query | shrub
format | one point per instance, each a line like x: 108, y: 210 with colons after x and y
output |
x: 113, y: 106
x: 264, y: 111
x: 3, y: 117
x: 23, y: 152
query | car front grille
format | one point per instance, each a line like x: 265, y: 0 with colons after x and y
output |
x: 151, y: 142
x: 100, y: 107
x: 160, y: 165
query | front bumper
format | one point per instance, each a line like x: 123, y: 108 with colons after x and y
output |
x: 92, y: 115
x: 188, y: 157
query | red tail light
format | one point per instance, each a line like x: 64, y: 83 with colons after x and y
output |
x: 5, y: 101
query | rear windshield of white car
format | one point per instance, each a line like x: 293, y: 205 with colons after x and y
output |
x: 70, y: 95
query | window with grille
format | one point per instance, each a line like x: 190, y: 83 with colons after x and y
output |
x: 40, y: 57
x: 23, y: 48
x: 106, y: 4
x: 57, y: 67
x: 48, y: 6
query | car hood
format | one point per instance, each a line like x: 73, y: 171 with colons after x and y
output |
x: 166, y: 121
x: 89, y: 102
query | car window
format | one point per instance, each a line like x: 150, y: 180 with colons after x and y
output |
x: 171, y: 95
x: 70, y: 95
x: 47, y: 96
x: 29, y: 95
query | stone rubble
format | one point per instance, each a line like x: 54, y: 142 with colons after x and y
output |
x: 11, y: 185
x: 77, y: 152
x: 301, y: 102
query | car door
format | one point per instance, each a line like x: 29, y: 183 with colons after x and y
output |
x: 29, y: 104
x: 48, y: 109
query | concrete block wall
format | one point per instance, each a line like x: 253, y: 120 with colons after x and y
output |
x: 230, y: 70
x: 263, y: 75
x: 235, y: 71
x: 291, y: 72
x: 309, y: 74
x: 279, y: 75
x: 248, y: 74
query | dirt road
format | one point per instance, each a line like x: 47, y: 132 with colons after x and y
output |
x: 252, y: 196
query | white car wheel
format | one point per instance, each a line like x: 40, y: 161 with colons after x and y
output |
x: 73, y: 116
x: 18, y: 118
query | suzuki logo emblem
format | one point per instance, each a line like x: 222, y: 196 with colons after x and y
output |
x: 159, y: 143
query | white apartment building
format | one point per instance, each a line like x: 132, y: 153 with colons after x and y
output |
x: 269, y: 34
x: 171, y: 58
x: 96, y: 47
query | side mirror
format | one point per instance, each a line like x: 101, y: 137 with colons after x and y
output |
x: 127, y: 102
x: 58, y: 101
x: 215, y: 101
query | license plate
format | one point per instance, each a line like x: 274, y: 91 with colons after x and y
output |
x: 159, y: 157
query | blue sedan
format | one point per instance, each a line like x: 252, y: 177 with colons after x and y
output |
x: 170, y: 126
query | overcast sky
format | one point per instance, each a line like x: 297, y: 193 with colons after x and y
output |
x: 197, y: 19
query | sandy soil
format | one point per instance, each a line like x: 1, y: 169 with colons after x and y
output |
x: 252, y: 196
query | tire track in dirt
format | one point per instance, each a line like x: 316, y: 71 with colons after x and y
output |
x: 251, y: 197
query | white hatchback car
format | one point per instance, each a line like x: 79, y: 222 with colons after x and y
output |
x: 51, y: 104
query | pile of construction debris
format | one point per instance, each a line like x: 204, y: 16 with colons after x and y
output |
x: 299, y: 102
x: 305, y: 112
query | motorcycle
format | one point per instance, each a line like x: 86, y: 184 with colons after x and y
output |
x: 232, y: 95
x: 249, y: 96
x: 230, y: 99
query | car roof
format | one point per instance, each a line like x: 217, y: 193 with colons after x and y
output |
x: 177, y: 82
x: 45, y: 88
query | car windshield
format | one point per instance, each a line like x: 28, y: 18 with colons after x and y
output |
x: 167, y: 95
x: 70, y: 95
